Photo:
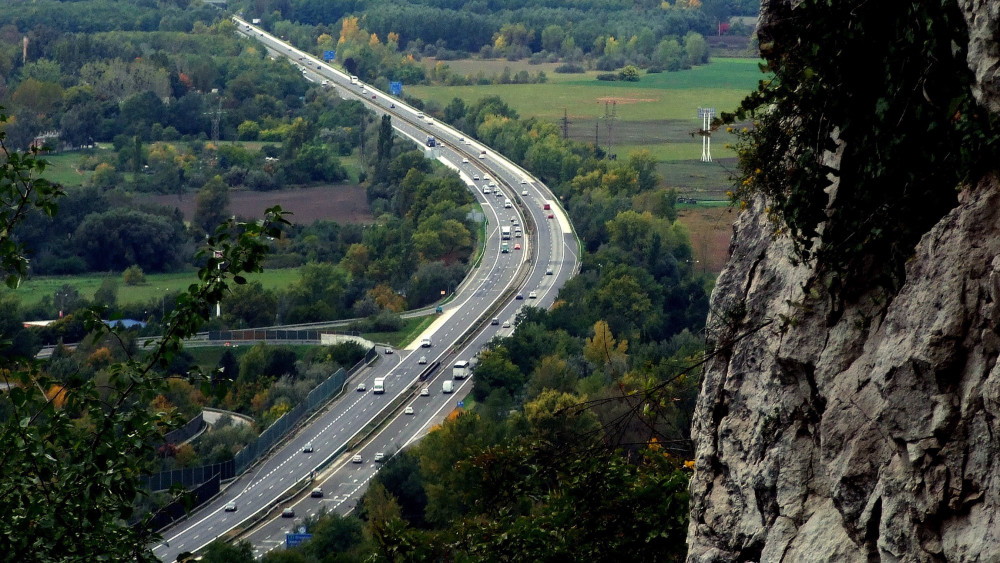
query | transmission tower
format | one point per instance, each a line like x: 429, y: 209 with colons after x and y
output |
x: 706, y: 115
x: 216, y: 116
x: 565, y: 124
x: 610, y: 115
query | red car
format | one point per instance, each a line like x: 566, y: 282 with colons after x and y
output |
x: 551, y: 216
x: 517, y: 247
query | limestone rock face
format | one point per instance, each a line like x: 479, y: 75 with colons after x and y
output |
x: 867, y: 433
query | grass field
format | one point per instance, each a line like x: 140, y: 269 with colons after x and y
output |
x: 667, y: 95
x: 157, y: 285
x: 62, y: 169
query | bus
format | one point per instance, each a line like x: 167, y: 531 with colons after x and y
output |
x: 460, y: 370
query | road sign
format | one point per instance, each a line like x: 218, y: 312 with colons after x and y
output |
x: 329, y: 55
x: 461, y: 404
x: 396, y: 88
x: 295, y: 540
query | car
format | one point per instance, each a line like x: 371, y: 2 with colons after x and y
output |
x: 532, y: 295
x: 517, y: 234
x: 487, y: 178
x: 486, y: 190
x: 392, y: 105
x: 373, y: 96
x: 388, y: 350
x: 288, y: 513
x: 356, y: 458
x: 425, y: 392
x: 230, y: 507
x: 492, y: 184
x: 408, y: 410
x: 422, y: 360
x: 319, y: 67
x: 524, y: 192
x: 482, y: 156
x: 362, y: 388
x: 475, y: 177
x: 425, y: 342
x: 461, y: 139
x: 308, y: 449
x: 300, y: 58
x: 517, y: 246
x: 514, y: 221
x: 551, y: 216
x: 495, y: 321
x: 379, y: 456
x: 518, y: 296
x: 524, y: 182
x: 465, y: 161
x: 506, y: 324
x: 317, y: 493
x: 548, y: 271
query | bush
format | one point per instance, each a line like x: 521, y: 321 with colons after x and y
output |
x: 570, y: 68
x: 609, y: 76
x: 133, y: 275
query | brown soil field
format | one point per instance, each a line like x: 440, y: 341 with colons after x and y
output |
x: 343, y: 204
x: 711, y: 230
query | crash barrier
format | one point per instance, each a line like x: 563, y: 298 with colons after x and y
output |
x: 184, y: 433
x: 179, y: 509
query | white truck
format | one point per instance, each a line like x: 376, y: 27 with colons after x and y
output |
x: 379, y: 387
x: 505, y: 233
x: 460, y: 370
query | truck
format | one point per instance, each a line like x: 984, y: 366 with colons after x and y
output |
x: 354, y: 80
x: 505, y: 233
x: 460, y: 370
x: 431, y: 141
x: 379, y: 387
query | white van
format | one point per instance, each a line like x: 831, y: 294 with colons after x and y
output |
x: 506, y: 203
x: 447, y: 387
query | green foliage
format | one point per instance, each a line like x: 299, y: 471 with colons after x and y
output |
x: 72, y: 449
x: 889, y: 88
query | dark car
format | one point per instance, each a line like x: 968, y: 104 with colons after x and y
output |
x: 288, y: 513
x: 317, y: 493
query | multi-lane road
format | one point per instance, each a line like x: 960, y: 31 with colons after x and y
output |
x: 500, y: 284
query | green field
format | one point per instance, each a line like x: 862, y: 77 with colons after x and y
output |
x: 62, y: 169
x: 657, y: 114
x: 667, y: 95
x: 157, y: 285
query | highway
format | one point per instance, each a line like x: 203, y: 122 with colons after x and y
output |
x: 549, y: 255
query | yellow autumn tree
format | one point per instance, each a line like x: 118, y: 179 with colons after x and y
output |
x: 373, y: 40
x: 603, y: 350
x: 386, y: 298
x: 350, y: 31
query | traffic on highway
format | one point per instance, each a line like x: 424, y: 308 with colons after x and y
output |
x: 319, y: 465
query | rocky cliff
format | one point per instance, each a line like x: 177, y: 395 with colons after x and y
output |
x: 866, y: 430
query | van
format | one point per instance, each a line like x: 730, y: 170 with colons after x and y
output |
x: 425, y: 343
x: 506, y: 203
x: 447, y: 387
x: 354, y: 80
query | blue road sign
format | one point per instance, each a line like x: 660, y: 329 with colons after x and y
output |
x: 396, y: 88
x: 461, y: 403
x: 329, y: 55
x: 295, y: 540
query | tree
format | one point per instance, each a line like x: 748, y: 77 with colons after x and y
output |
x: 68, y: 475
x: 212, y: 204
x: 603, y: 350
x: 552, y: 38
x: 496, y: 371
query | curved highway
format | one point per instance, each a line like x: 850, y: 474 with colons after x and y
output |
x: 547, y: 257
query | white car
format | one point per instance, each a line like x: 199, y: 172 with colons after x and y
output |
x: 388, y: 350
x: 425, y: 392
x: 524, y: 192
x: 487, y: 178
x: 465, y: 161
x: 506, y: 324
x: 422, y: 360
x: 408, y: 410
x: 308, y: 449
x: 231, y: 507
x: 532, y: 295
x: 379, y: 456
x: 475, y: 177
x: 524, y: 182
x: 356, y: 458
x: 361, y: 387
x: 486, y: 190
